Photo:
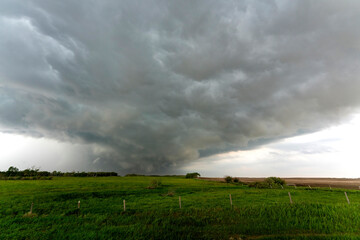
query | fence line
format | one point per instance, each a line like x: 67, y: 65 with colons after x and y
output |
x: 180, y: 206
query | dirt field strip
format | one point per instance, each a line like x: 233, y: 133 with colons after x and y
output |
x: 347, y: 183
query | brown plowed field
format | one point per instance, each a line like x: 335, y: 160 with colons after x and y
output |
x: 349, y: 183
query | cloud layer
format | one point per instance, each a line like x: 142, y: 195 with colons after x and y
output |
x: 153, y: 85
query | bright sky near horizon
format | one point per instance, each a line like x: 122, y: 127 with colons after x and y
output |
x: 311, y: 155
x: 250, y: 88
x: 332, y: 152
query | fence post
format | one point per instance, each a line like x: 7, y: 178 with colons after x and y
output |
x: 180, y: 201
x: 347, y: 199
x: 31, y: 208
x: 290, y: 198
x: 124, y: 205
x: 230, y: 201
x: 78, y: 204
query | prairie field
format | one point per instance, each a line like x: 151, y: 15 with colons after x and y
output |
x: 152, y: 210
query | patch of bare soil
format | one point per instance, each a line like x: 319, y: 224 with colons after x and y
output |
x: 348, y: 183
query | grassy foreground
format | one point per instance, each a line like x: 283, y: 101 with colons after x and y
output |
x: 155, y: 214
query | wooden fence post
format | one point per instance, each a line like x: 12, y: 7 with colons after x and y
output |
x: 180, y: 201
x: 290, y: 198
x: 347, y: 199
x: 31, y: 208
x: 124, y: 205
x: 78, y: 204
x: 230, y: 201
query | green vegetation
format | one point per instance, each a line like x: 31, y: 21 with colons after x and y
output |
x: 270, y: 182
x: 192, y: 175
x: 154, y: 213
x: 228, y: 179
x: 13, y: 173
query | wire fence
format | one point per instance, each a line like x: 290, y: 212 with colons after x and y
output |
x: 181, y: 206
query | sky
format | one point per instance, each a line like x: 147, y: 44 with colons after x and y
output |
x: 242, y: 88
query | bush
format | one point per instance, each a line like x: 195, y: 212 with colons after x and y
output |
x: 277, y: 180
x: 236, y: 180
x: 228, y: 179
x: 192, y: 175
x: 274, y: 182
x: 270, y: 182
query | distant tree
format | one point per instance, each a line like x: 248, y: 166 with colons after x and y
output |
x: 12, y: 171
x: 57, y: 173
x: 228, y: 179
x: 192, y: 175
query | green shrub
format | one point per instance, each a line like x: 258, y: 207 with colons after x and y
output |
x: 274, y: 182
x: 270, y: 182
x: 236, y: 180
x: 228, y: 179
x: 277, y: 180
x: 192, y: 175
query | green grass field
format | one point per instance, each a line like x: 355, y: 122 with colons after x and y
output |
x: 155, y: 214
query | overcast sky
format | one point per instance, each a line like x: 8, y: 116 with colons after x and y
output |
x: 222, y: 87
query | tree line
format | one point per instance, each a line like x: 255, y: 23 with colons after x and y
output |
x: 31, y: 174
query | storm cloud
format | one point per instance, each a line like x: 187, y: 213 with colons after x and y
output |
x: 153, y: 85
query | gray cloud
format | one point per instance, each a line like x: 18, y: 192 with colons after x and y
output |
x: 153, y: 85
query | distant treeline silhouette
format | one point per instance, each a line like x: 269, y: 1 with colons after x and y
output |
x: 151, y: 175
x: 13, y: 173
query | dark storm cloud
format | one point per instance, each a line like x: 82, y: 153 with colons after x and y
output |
x: 151, y: 85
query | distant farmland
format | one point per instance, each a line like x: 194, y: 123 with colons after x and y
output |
x: 347, y: 183
x: 153, y: 210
